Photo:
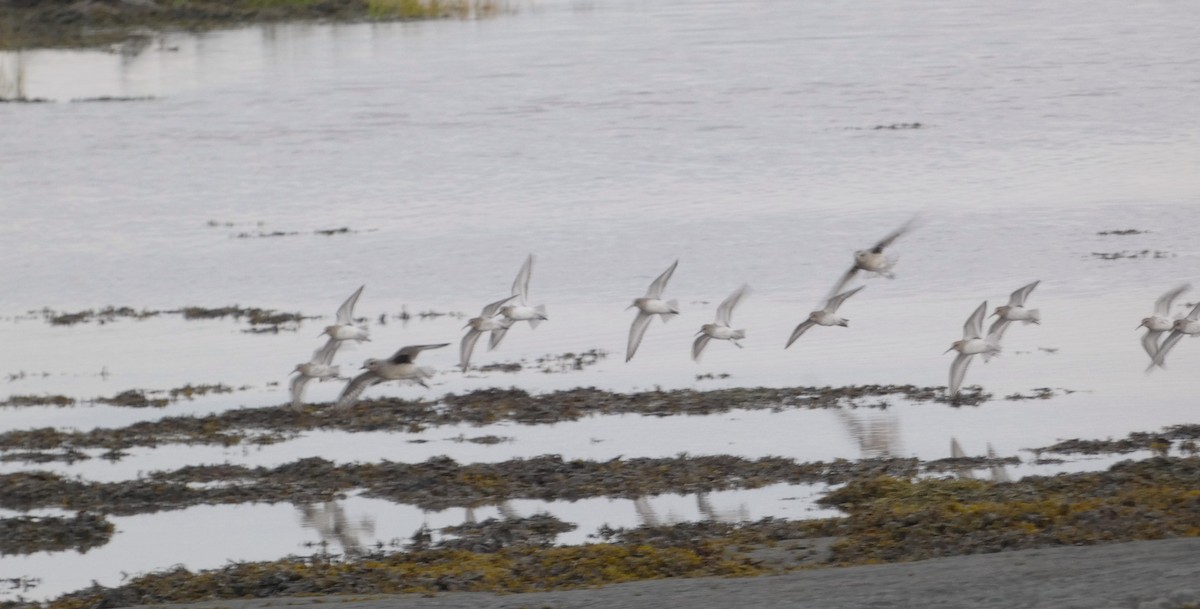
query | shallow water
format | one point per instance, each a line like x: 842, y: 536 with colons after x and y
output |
x: 736, y: 137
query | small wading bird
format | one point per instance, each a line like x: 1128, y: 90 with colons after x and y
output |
x: 1161, y: 321
x: 972, y: 343
x: 520, y: 310
x: 1189, y: 325
x: 648, y: 306
x: 720, y: 329
x: 486, y: 322
x: 319, y: 367
x: 873, y: 260
x: 1013, y: 311
x: 399, y: 367
x: 825, y: 316
x: 345, y: 329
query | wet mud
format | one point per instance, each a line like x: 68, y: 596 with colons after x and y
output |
x: 887, y: 519
x: 277, y: 423
x: 127, y: 26
x: 441, y: 482
x: 29, y: 534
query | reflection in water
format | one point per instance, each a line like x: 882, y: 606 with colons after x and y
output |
x: 956, y: 452
x: 330, y: 522
x: 996, y: 471
x: 12, y: 75
x: 646, y: 515
x: 877, y: 434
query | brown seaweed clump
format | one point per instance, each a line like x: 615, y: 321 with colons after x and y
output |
x: 887, y: 519
x: 29, y: 534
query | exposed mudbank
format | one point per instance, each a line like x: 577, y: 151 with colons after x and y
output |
x: 276, y: 423
x: 888, y: 519
x: 128, y: 26
x: 29, y: 534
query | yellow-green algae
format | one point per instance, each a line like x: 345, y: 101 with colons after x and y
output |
x: 887, y: 519
x: 891, y: 519
x: 510, y: 570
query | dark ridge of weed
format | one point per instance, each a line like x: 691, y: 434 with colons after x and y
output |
x: 29, y: 534
x: 134, y: 398
x: 273, y: 423
x: 887, y: 519
x: 38, y: 400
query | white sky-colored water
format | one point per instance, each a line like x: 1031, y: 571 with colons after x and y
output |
x: 608, y: 140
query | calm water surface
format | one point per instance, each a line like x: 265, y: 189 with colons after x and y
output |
x: 607, y: 138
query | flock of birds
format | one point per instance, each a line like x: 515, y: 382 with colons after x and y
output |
x: 498, y: 317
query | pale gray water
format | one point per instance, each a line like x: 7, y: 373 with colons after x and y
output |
x: 608, y: 139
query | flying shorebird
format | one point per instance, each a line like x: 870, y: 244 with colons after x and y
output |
x: 520, y: 310
x: 648, y: 306
x: 319, y: 367
x: 1189, y: 325
x: 873, y: 260
x: 399, y: 367
x: 972, y: 343
x: 720, y: 329
x: 1161, y: 321
x: 1013, y: 311
x: 345, y: 329
x: 825, y: 316
x: 486, y: 322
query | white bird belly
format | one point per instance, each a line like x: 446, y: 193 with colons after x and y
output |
x: 520, y: 313
x: 346, y: 332
x: 719, y: 332
x: 654, y: 306
x: 976, y: 345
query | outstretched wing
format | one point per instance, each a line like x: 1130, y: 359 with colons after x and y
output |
x: 298, y: 385
x: 892, y: 236
x: 354, y: 389
x: 996, y: 332
x: 1162, y: 306
x: 1150, y: 342
x: 1195, y: 314
x: 725, y: 311
x: 520, y: 287
x: 345, y: 313
x: 1160, y: 358
x: 831, y: 306
x: 497, y: 336
x: 974, y: 326
x: 1017, y: 299
x: 408, y: 354
x: 958, y: 370
x: 324, y: 355
x: 492, y: 308
x: 842, y: 282
x: 660, y: 284
x: 699, y: 345
x: 466, y: 347
x: 799, y: 331
x: 636, y: 332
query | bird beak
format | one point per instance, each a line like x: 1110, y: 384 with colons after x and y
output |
x: 630, y: 307
x: 948, y: 350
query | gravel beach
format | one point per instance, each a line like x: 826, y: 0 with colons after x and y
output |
x: 1161, y: 574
